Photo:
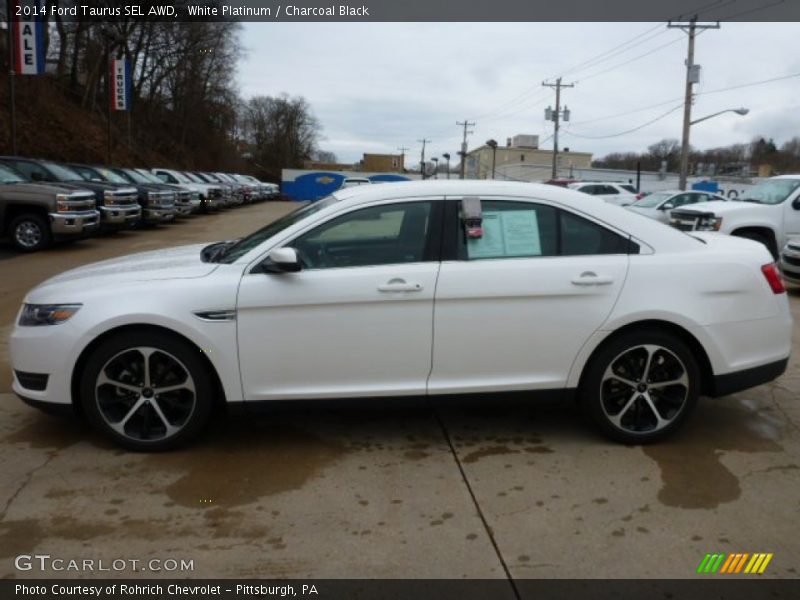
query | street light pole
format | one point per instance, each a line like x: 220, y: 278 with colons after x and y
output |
x: 691, y: 79
x: 739, y: 111
x: 435, y: 161
x: 447, y: 158
x: 493, y: 145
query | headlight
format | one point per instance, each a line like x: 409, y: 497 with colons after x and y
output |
x: 62, y: 203
x: 709, y: 223
x: 46, y: 314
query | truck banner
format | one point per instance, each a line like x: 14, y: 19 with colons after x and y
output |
x: 28, y: 32
x: 120, y: 84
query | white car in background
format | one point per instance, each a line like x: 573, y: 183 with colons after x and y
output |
x: 438, y: 287
x: 790, y: 262
x: 613, y: 193
x: 354, y: 182
x: 658, y: 204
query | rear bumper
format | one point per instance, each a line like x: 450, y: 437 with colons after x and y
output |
x: 730, y: 383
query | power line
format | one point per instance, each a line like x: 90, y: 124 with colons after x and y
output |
x: 642, y: 126
x: 627, y: 62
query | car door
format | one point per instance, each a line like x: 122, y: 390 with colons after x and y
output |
x: 357, y: 319
x: 514, y: 307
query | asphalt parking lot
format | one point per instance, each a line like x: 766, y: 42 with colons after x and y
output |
x: 372, y: 491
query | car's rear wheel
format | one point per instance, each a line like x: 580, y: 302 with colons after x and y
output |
x: 641, y: 386
x: 30, y: 232
x: 147, y: 391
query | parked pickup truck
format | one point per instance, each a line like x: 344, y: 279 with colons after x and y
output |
x: 32, y: 215
x: 186, y: 201
x: 210, y: 195
x: 157, y: 201
x: 116, y: 203
x: 768, y: 212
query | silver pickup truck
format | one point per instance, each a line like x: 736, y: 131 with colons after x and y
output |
x: 33, y: 215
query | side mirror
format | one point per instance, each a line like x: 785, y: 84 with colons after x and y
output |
x: 282, y: 260
x: 667, y: 206
x: 796, y: 203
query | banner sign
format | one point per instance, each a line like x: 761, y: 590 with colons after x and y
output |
x: 28, y: 31
x: 120, y: 84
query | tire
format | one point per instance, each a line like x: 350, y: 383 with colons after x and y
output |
x: 130, y: 406
x: 30, y: 232
x: 761, y: 239
x: 629, y: 409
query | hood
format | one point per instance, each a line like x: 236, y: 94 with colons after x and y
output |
x: 642, y: 210
x: 718, y: 207
x: 42, y: 188
x: 182, y: 262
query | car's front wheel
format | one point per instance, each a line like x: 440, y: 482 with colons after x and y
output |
x: 641, y: 386
x: 147, y: 391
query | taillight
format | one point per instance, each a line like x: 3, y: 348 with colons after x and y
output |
x: 770, y: 271
x: 639, y: 196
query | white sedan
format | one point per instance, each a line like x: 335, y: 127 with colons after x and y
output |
x: 658, y: 204
x: 435, y: 287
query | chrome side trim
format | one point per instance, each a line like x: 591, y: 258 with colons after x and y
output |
x: 216, y: 316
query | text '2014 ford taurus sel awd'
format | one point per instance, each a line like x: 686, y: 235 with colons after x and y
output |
x: 409, y: 289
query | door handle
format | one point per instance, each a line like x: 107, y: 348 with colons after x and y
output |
x: 399, y: 285
x: 591, y: 278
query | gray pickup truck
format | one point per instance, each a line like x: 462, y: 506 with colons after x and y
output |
x: 33, y: 215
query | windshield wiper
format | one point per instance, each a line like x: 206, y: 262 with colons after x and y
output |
x: 213, y: 252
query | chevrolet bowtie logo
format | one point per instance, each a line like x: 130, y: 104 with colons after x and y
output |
x: 325, y: 180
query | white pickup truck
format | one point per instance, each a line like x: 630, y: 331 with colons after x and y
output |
x: 768, y: 212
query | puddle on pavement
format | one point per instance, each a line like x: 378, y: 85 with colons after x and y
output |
x: 49, y: 432
x: 692, y: 474
x: 243, y: 464
x: 19, y: 537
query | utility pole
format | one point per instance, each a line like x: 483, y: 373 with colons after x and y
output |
x: 692, y: 77
x: 423, y: 141
x: 463, y: 152
x: 556, y: 115
x: 402, y: 150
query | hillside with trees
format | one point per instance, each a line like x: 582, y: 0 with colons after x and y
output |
x: 186, y: 108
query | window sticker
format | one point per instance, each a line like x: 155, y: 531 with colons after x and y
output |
x: 507, y: 233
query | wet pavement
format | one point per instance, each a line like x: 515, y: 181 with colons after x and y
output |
x: 369, y: 491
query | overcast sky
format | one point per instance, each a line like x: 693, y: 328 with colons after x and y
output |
x: 379, y: 86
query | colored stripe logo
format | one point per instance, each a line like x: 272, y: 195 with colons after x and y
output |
x: 735, y: 563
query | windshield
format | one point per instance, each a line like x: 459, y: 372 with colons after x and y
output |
x: 137, y: 177
x: 62, y: 173
x: 246, y: 244
x: 772, y: 191
x: 194, y: 178
x: 652, y: 200
x: 9, y: 176
x: 146, y: 175
x: 109, y: 175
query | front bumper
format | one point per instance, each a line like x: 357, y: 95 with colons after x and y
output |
x: 790, y: 264
x: 74, y: 223
x: 159, y: 214
x: 120, y: 216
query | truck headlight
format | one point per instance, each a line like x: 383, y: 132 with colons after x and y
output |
x: 62, y: 203
x: 709, y: 223
x: 46, y: 314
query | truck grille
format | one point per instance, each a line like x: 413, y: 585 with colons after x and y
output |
x: 124, y: 197
x: 81, y: 202
x: 184, y: 197
x: 161, y: 199
x: 790, y: 260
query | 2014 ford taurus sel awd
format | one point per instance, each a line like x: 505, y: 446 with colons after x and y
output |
x: 438, y: 287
